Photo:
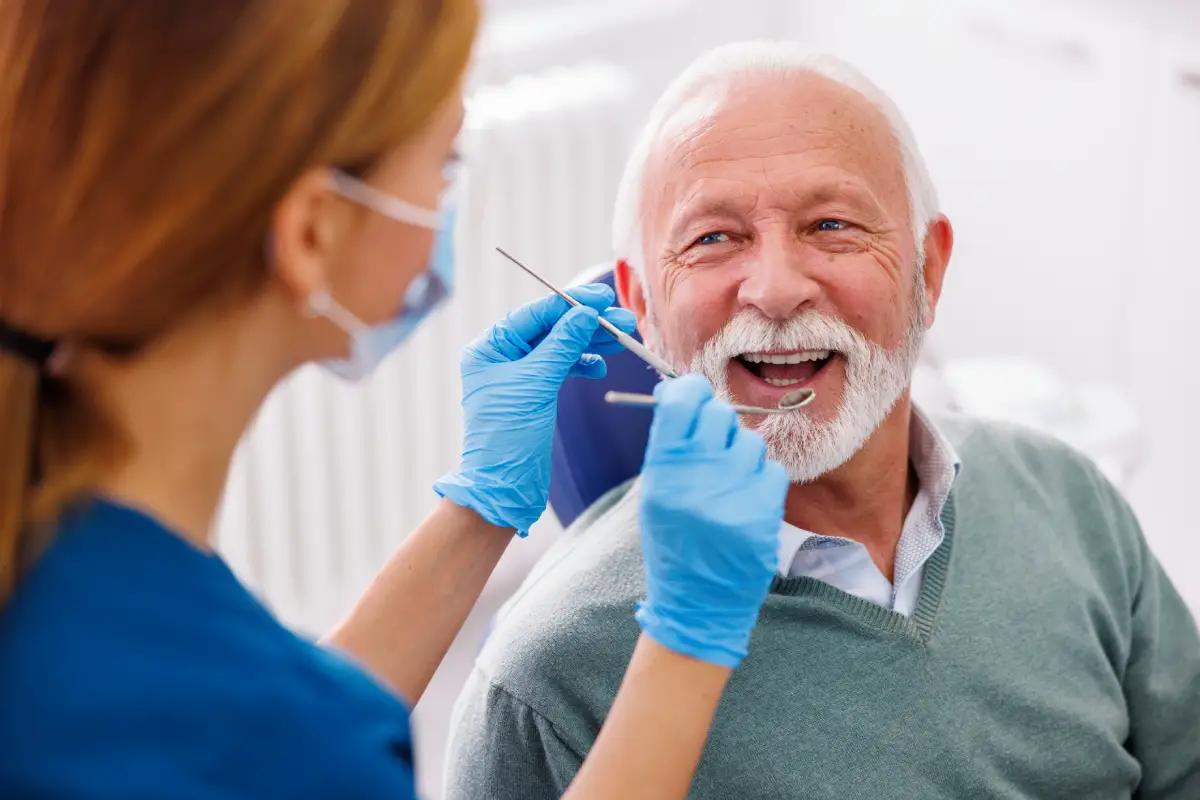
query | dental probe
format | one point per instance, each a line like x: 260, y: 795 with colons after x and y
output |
x: 631, y: 344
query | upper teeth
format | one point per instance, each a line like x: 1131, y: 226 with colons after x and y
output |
x: 789, y: 358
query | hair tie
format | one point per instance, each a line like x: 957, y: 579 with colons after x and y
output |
x: 33, y: 349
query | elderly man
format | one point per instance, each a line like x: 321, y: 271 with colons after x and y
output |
x: 962, y: 609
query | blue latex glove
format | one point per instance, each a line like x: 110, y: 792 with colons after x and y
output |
x: 511, y: 377
x: 712, y: 506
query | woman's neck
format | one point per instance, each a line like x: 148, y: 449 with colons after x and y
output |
x: 183, y: 405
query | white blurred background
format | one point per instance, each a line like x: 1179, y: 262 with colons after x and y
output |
x: 1064, y: 136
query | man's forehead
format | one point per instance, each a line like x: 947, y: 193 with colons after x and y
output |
x: 774, y: 117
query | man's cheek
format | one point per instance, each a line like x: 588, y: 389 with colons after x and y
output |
x: 703, y: 307
x: 876, y: 308
x: 689, y: 333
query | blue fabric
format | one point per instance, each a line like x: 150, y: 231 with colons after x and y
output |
x: 134, y: 665
x: 598, y: 446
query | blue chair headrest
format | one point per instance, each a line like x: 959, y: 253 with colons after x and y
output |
x: 596, y: 445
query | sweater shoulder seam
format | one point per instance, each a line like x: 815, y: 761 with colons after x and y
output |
x: 515, y: 697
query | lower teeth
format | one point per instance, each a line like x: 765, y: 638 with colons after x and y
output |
x: 780, y: 382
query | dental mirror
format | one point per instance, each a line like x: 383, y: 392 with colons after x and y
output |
x: 792, y: 401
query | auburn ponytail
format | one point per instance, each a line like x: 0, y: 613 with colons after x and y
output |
x: 143, y: 148
x: 18, y: 415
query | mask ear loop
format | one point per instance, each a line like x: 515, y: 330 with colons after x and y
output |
x: 322, y: 304
x: 383, y: 203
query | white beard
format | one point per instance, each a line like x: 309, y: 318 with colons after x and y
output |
x: 875, y: 379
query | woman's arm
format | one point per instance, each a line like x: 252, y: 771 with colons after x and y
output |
x: 655, y: 732
x: 406, y: 620
x: 403, y: 624
x: 711, y: 507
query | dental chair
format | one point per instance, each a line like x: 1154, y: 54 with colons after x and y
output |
x: 596, y: 445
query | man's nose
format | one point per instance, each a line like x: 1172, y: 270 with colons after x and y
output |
x: 777, y: 282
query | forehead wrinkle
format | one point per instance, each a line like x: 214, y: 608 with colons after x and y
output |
x: 830, y: 183
x: 696, y: 154
x: 698, y: 193
x: 773, y: 153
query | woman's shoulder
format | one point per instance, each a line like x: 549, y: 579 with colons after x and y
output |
x: 129, y: 660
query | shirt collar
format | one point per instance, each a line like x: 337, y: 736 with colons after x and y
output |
x: 933, y: 457
x: 936, y: 463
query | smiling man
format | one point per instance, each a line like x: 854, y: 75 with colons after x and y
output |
x: 800, y: 248
x: 962, y: 609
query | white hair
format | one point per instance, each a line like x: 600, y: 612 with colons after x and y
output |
x: 755, y: 59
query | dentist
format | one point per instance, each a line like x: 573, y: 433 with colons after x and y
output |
x: 196, y: 198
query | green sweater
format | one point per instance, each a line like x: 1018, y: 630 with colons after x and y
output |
x: 1049, y: 656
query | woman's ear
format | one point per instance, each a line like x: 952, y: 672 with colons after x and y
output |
x: 306, y: 228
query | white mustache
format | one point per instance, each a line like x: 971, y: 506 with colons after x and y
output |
x: 750, y: 332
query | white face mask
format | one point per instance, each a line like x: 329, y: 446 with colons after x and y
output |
x: 369, y: 345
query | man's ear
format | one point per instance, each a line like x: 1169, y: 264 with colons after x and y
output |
x: 939, y: 244
x: 629, y: 289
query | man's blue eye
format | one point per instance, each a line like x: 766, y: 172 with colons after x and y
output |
x: 831, y: 225
x: 713, y: 238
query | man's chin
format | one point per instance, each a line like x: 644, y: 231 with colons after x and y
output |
x: 804, y: 446
x: 810, y: 447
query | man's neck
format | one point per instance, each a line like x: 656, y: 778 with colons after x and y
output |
x: 867, y: 498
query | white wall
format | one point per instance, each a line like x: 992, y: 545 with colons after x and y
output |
x: 1064, y: 138
x: 1162, y: 281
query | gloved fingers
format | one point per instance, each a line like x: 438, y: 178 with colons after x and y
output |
x: 534, y: 320
x: 519, y: 333
x: 500, y: 344
x: 775, y: 483
x: 589, y: 366
x: 605, y: 342
x: 716, y: 426
x: 597, y: 295
x: 778, y: 478
x: 678, y: 405
x: 566, y: 343
x: 748, y: 452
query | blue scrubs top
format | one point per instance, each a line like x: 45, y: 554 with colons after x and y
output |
x: 134, y: 665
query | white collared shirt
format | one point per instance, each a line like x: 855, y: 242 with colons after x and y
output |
x: 846, y: 564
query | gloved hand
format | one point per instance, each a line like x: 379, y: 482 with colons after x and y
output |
x: 511, y: 377
x: 712, y: 506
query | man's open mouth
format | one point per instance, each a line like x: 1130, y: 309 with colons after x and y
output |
x: 788, y: 370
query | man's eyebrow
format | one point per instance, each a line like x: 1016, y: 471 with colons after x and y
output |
x: 714, y: 207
